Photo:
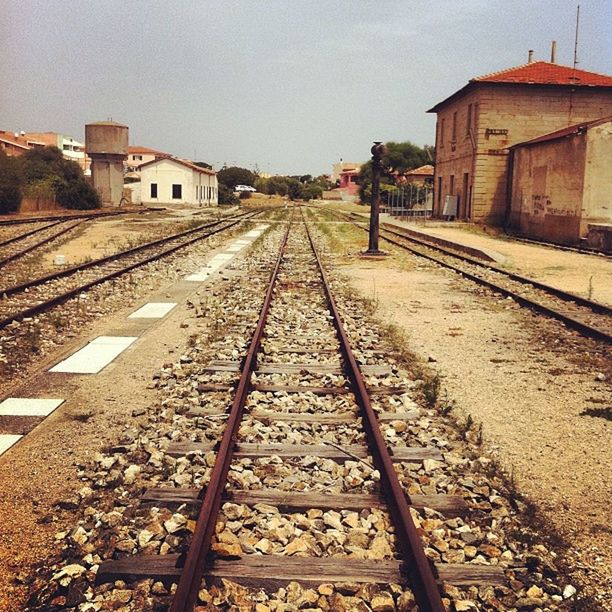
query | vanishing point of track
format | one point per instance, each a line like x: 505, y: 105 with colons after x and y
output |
x: 298, y: 278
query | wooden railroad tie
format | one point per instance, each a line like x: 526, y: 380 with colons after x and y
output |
x: 296, y: 501
x: 254, y: 451
x: 274, y: 571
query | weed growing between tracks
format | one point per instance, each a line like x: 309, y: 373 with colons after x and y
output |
x: 533, y: 529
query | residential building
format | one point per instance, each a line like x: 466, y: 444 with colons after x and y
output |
x: 176, y: 181
x: 560, y: 188
x: 349, y: 181
x: 72, y: 149
x: 13, y: 144
x: 423, y: 175
x: 342, y: 166
x: 141, y: 155
x: 477, y: 125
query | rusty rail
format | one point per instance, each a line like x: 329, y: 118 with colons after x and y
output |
x: 40, y: 243
x: 59, y: 299
x: 583, y: 328
x: 195, y: 562
x: 423, y: 581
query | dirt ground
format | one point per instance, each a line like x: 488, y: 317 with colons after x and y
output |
x: 587, y: 275
x: 535, y: 387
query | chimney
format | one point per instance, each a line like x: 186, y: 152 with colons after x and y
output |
x: 530, y: 56
x: 553, y: 52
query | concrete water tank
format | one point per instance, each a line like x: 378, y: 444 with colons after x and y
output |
x: 106, y: 142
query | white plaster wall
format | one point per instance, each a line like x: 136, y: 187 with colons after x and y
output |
x: 597, y: 198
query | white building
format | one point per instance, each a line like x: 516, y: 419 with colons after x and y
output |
x: 175, y: 181
x: 141, y: 155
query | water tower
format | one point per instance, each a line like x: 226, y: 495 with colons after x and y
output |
x: 106, y: 142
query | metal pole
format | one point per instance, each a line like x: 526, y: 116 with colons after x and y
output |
x: 377, y: 152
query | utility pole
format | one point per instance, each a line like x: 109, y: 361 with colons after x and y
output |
x: 377, y: 151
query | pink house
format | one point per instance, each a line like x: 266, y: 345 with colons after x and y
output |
x: 349, y: 181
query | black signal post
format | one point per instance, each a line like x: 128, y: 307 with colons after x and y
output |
x: 378, y: 151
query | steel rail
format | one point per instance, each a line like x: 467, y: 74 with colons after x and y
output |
x: 34, y: 231
x: 102, y: 260
x: 583, y: 328
x: 424, y: 585
x: 69, y: 217
x: 568, y: 296
x: 194, y: 566
x: 59, y: 299
x: 40, y: 243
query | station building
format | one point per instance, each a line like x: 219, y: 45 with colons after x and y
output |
x: 176, y: 181
x: 561, y: 185
x: 478, y: 124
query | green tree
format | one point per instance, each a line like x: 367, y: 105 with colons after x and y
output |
x: 10, y: 184
x: 78, y: 195
x: 232, y: 176
x: 47, y: 174
x: 312, y: 191
x: 399, y: 158
x: 227, y: 196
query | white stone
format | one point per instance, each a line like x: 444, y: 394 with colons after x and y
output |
x: 95, y: 356
x: 153, y: 310
x: 22, y: 406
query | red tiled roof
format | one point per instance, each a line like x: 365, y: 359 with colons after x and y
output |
x: 17, y: 141
x: 535, y: 73
x: 145, y: 151
x: 427, y: 169
x: 546, y: 73
x: 568, y: 131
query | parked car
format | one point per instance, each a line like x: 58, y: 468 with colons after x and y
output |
x: 241, y: 188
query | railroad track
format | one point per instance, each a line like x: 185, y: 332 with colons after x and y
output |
x: 71, y: 216
x: 300, y: 352
x: 589, y: 318
x: 20, y: 246
x: 41, y: 294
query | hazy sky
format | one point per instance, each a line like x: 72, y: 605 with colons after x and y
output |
x: 289, y: 85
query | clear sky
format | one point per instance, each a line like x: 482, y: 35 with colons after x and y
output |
x: 288, y: 85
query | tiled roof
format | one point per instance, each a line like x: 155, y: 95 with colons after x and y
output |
x: 427, y: 169
x: 145, y: 151
x: 546, y: 73
x: 568, y: 131
x: 17, y: 141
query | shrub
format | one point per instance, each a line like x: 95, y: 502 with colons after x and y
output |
x: 10, y: 184
x: 78, y: 195
x: 245, y: 195
x: 227, y: 196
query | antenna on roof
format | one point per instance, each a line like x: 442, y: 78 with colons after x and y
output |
x: 576, y: 37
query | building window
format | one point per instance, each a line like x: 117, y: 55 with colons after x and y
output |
x: 468, y: 125
x: 454, y: 137
x: 441, y: 136
x: 177, y: 192
x: 153, y: 190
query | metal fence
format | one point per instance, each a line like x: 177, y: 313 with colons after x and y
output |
x: 408, y: 201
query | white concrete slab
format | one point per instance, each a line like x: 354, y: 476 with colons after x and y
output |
x: 234, y: 248
x: 197, y: 277
x: 25, y: 406
x: 7, y: 440
x: 153, y: 310
x: 95, y: 356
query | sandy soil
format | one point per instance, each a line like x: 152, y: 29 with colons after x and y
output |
x: 532, y: 384
x: 579, y: 273
x: 103, y: 237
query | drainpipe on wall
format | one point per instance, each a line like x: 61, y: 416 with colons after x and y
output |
x: 510, y: 172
